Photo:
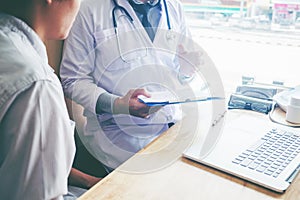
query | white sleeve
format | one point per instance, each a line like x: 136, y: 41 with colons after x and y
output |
x: 37, y: 144
x: 184, y: 26
x: 78, y: 65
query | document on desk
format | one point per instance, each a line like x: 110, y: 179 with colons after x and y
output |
x: 163, y: 99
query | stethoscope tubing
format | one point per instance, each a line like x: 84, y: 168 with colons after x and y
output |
x: 122, y: 9
x: 117, y: 6
x: 167, y: 14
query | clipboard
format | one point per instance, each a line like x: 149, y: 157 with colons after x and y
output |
x: 156, y: 102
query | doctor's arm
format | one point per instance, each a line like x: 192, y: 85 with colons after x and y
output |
x: 78, y: 64
x: 76, y: 71
x: 128, y: 104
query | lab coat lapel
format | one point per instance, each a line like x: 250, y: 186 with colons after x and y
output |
x: 162, y: 25
x: 161, y: 39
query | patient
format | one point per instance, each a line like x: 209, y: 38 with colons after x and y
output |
x: 36, y: 136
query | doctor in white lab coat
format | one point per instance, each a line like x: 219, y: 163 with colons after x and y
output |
x: 109, y: 60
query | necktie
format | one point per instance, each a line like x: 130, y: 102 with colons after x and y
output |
x: 144, y: 9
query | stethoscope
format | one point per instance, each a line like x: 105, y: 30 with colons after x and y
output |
x: 122, y: 9
x: 169, y: 35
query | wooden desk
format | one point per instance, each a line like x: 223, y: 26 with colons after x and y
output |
x: 182, y: 179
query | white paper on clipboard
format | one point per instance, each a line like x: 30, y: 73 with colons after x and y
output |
x: 163, y: 98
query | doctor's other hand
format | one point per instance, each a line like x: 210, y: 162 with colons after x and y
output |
x: 130, y: 104
x: 191, y: 57
x: 189, y: 62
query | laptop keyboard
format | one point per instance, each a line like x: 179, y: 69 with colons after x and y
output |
x: 272, y: 153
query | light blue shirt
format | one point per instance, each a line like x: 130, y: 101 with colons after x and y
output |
x: 153, y: 15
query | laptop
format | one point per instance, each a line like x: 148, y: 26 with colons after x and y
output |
x: 251, y: 148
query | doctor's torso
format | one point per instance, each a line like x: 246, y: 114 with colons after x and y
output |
x: 130, y: 59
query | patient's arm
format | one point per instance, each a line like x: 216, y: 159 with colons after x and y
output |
x: 81, y: 179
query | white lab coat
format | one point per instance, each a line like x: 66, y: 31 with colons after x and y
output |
x: 92, y: 64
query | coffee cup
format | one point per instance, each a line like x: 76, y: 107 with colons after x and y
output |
x: 293, y: 110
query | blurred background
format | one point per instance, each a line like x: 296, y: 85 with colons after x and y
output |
x: 254, y: 38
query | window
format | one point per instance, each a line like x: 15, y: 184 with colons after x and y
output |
x: 254, y: 38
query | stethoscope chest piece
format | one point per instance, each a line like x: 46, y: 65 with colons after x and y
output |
x: 170, y: 36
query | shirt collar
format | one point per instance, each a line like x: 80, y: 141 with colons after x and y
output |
x: 150, y: 2
x: 16, y: 25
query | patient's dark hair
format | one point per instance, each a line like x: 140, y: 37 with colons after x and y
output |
x: 13, y: 4
x: 10, y: 3
x: 14, y: 7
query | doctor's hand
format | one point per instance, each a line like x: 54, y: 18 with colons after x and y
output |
x: 130, y: 104
x: 189, y: 62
